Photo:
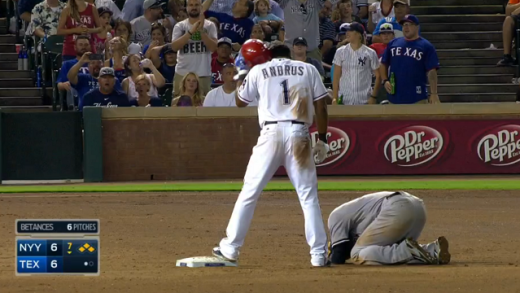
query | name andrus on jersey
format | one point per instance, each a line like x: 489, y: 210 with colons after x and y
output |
x: 285, y: 70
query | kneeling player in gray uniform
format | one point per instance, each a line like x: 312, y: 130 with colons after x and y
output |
x: 382, y: 228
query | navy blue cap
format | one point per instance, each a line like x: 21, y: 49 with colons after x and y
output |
x: 409, y: 18
x: 357, y: 27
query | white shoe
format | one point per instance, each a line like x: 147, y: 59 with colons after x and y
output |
x: 419, y: 253
x: 442, y: 255
x: 218, y: 253
x: 320, y: 261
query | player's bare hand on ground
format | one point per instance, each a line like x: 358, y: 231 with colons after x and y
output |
x: 388, y: 87
x: 320, y: 151
x: 434, y: 99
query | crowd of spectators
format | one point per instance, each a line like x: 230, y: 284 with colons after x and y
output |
x: 190, y: 45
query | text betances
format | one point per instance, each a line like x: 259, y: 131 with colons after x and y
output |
x: 50, y: 227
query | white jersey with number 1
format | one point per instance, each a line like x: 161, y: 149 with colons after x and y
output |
x: 278, y: 83
x: 285, y: 90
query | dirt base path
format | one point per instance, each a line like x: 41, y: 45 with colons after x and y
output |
x: 144, y: 234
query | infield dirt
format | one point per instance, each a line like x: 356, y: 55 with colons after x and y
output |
x: 143, y: 234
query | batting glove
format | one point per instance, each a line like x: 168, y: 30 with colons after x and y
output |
x: 320, y: 151
x: 242, y: 68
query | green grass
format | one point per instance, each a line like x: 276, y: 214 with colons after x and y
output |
x: 273, y: 186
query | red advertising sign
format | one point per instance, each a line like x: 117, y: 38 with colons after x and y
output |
x: 421, y: 147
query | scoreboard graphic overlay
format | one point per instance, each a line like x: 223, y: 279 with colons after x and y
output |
x: 57, y: 247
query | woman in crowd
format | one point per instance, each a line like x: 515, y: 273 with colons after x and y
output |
x: 123, y: 29
x: 100, y: 39
x: 143, y: 86
x: 190, y: 87
x: 118, y: 49
x: 346, y: 66
x: 379, y: 10
x: 78, y: 18
x: 135, y: 67
x: 158, y: 33
x: 343, y: 14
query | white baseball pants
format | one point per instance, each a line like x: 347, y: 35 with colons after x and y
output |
x: 287, y: 144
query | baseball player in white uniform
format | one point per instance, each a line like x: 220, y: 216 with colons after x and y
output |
x: 288, y: 92
x: 382, y: 228
x: 354, y: 65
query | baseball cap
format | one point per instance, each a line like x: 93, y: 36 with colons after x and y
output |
x: 168, y: 49
x: 386, y: 27
x: 151, y: 4
x: 226, y: 41
x: 103, y: 9
x: 107, y: 71
x: 300, y: 41
x: 409, y: 18
x: 405, y: 2
x: 357, y: 27
x: 344, y: 27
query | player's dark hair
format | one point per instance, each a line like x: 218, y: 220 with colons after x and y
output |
x: 280, y: 51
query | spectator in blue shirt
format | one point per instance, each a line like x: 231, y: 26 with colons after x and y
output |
x: 82, y: 46
x: 164, y: 58
x: 400, y: 9
x: 82, y: 82
x: 107, y: 95
x: 237, y: 27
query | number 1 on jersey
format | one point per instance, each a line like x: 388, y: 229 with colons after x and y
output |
x: 285, y: 86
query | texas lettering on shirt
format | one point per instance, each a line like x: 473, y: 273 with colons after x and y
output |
x: 409, y: 52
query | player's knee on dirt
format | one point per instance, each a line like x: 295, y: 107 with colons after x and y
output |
x: 339, y: 253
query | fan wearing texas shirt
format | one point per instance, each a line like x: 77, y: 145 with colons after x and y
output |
x: 401, y: 8
x: 413, y: 61
x: 237, y: 27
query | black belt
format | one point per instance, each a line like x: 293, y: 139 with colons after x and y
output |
x: 276, y: 122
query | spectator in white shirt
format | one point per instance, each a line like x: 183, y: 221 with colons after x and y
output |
x: 379, y: 10
x: 224, y: 95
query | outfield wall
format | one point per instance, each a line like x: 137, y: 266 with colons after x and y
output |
x: 130, y: 144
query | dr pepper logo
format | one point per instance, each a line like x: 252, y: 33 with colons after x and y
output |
x: 413, y: 146
x: 500, y: 146
x: 339, y: 143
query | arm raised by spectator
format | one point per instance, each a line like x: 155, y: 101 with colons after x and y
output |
x: 74, y: 71
x: 181, y: 38
x: 210, y: 37
x: 206, y: 5
x: 157, y: 78
x: 155, y: 55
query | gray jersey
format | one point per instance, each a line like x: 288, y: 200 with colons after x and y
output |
x: 141, y: 31
x: 349, y: 220
x: 357, y: 67
x: 302, y: 20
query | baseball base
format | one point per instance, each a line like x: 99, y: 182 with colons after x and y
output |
x: 204, y: 261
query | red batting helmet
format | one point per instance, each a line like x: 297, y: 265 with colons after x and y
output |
x: 255, y: 52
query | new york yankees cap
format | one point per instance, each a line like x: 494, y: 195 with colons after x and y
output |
x: 107, y: 71
x: 409, y: 18
x: 357, y: 27
x: 300, y: 41
x: 101, y: 10
x: 386, y: 28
